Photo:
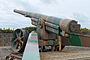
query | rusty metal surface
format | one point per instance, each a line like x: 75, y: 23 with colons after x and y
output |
x: 85, y: 41
x: 68, y: 25
x: 65, y: 41
x: 64, y: 24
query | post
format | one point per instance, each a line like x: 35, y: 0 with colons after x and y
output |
x: 59, y: 38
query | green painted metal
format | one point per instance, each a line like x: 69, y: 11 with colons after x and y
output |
x: 52, y: 25
x: 33, y: 41
x: 74, y: 40
x: 38, y: 31
x: 53, y: 20
x: 33, y: 35
x: 56, y: 42
x: 51, y: 42
x: 50, y: 21
x: 52, y: 30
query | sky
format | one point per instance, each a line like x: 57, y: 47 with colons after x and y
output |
x: 78, y: 10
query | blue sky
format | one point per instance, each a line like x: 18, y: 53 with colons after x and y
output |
x: 78, y: 10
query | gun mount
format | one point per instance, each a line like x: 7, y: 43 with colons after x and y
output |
x: 51, y: 31
x: 49, y: 28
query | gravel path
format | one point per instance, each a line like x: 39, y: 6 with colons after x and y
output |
x: 68, y: 53
x: 4, y: 51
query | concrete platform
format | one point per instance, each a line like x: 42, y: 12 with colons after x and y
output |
x: 69, y: 53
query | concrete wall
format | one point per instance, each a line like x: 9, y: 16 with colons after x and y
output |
x: 5, y: 39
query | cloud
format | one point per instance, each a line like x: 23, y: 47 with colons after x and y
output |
x: 82, y: 18
x: 58, y: 8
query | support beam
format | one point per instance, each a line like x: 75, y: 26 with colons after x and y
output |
x: 59, y: 38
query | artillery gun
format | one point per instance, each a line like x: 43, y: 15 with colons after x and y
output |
x: 52, y: 32
x: 49, y: 28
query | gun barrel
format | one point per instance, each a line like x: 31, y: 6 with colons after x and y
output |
x: 66, y: 25
x: 29, y: 14
x: 20, y: 12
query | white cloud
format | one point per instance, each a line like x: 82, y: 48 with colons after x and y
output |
x: 57, y: 8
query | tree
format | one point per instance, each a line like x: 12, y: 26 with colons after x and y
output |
x: 30, y: 28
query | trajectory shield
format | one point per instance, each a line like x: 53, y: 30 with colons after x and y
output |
x: 32, y: 51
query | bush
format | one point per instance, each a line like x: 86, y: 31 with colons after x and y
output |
x: 30, y: 28
x: 84, y: 30
x: 6, y: 30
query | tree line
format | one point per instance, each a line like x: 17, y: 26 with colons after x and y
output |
x: 83, y: 30
x: 11, y: 31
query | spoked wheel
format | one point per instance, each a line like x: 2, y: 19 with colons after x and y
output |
x: 19, y: 40
x: 19, y: 43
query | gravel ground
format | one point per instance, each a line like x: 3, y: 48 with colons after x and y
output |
x: 4, y: 51
x: 68, y: 53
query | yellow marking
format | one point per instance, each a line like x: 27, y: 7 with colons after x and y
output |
x: 59, y: 43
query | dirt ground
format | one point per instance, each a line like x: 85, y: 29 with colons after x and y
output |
x: 4, y: 51
x: 68, y: 53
